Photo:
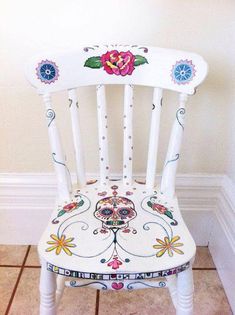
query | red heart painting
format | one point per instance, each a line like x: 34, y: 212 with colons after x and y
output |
x: 117, y: 286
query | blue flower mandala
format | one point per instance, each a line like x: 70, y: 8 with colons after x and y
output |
x: 47, y: 71
x: 183, y: 72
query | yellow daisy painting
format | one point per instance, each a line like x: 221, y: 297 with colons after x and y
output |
x: 60, y: 243
x: 168, y: 245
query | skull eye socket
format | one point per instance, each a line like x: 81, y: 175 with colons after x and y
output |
x: 124, y: 212
x: 106, y: 212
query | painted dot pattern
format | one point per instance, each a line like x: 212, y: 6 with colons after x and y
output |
x: 102, y: 134
x: 128, y: 145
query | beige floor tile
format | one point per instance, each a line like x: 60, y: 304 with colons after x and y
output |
x: 32, y: 259
x: 12, y: 254
x: 203, y: 258
x: 26, y: 300
x: 78, y: 301
x: 8, y: 277
x: 74, y: 301
x: 139, y: 302
x: 209, y: 299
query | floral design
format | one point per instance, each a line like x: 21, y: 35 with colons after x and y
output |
x: 183, y: 72
x: 47, y: 71
x: 67, y: 208
x: 115, y: 263
x: 60, y: 243
x: 70, y: 207
x: 114, y: 62
x: 168, y: 245
x: 118, y: 63
x: 161, y: 209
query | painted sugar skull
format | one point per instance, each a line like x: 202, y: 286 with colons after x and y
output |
x: 115, y: 212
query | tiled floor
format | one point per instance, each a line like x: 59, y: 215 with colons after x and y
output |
x: 19, y: 277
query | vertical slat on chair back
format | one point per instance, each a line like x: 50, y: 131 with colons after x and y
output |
x: 78, y: 148
x: 153, y: 138
x: 102, y: 134
x: 128, y: 135
x: 174, y: 70
x: 173, y: 152
x: 63, y: 178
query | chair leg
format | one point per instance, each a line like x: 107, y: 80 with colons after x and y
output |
x: 47, y: 291
x: 185, y: 290
x: 172, y: 286
x: 60, y: 285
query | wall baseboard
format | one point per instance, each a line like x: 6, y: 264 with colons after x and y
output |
x: 26, y: 201
x: 207, y: 202
x: 222, y: 238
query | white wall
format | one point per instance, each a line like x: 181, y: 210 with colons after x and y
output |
x: 27, y: 27
x: 231, y: 139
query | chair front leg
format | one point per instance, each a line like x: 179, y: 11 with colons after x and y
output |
x: 185, y: 290
x: 47, y: 291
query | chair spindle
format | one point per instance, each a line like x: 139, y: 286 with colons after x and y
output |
x: 153, y: 138
x: 173, y: 152
x: 62, y: 173
x: 128, y: 135
x: 103, y: 135
x: 77, y: 139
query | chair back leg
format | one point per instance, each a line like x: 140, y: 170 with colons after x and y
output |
x: 172, y: 286
x: 185, y: 290
x: 60, y: 285
x: 47, y: 291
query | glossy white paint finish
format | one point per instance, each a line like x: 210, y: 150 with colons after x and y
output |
x: 157, y: 73
x: 128, y: 135
x: 133, y: 237
x: 153, y: 138
x: 185, y: 290
x: 162, y: 68
x: 60, y: 286
x: 172, y: 286
x: 102, y: 134
x: 174, y: 148
x: 58, y: 157
x: 47, y: 291
x: 77, y: 138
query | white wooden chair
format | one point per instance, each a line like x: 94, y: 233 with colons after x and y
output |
x: 121, y: 235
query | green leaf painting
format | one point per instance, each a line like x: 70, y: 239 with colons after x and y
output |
x: 140, y: 60
x: 93, y: 62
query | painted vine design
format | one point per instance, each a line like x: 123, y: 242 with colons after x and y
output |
x: 115, y: 214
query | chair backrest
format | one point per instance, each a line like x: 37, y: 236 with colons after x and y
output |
x: 117, y: 64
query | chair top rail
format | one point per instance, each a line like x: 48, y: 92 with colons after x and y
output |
x: 175, y: 70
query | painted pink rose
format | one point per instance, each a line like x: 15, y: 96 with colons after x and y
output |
x: 118, y: 63
x: 70, y: 207
x: 159, y: 208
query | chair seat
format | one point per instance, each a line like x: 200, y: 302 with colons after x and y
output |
x: 117, y: 232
